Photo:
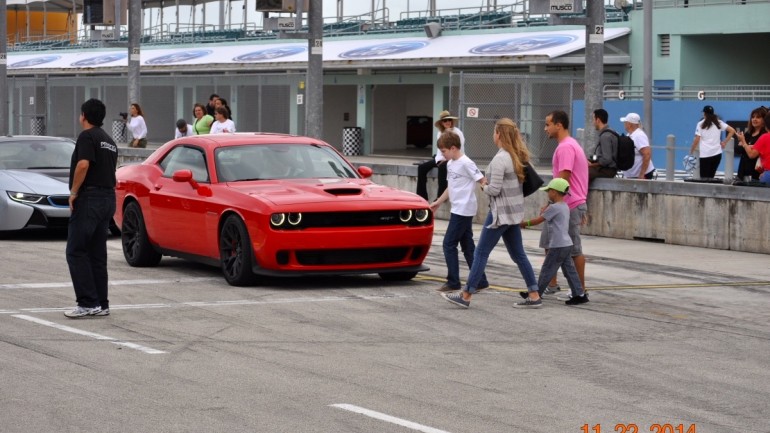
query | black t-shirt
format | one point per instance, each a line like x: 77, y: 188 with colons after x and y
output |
x: 746, y: 165
x: 101, y: 152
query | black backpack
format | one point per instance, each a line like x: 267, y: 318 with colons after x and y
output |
x: 626, y: 151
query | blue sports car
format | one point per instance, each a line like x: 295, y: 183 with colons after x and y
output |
x: 34, y: 175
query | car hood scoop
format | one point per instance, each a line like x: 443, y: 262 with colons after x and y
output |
x: 344, y: 191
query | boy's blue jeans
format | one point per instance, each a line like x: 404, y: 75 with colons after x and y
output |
x: 511, y: 235
x: 557, y: 258
x: 459, y: 231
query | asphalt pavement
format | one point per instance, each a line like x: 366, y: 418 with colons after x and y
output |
x: 675, y: 339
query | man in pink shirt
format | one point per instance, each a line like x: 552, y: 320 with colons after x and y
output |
x: 570, y: 163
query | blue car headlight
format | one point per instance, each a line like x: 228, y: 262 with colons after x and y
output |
x: 24, y: 197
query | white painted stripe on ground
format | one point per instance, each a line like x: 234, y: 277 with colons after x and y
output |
x: 387, y: 418
x: 112, y: 283
x: 89, y: 334
x: 219, y: 303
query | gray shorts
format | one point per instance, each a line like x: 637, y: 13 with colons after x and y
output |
x: 576, y: 215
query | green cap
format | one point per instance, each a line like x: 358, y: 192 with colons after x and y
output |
x: 557, y: 184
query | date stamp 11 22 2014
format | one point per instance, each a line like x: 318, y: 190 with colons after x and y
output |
x: 634, y: 428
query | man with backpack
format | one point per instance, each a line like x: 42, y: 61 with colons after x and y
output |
x: 602, y: 162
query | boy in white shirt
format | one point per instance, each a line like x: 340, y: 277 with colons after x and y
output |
x: 462, y: 175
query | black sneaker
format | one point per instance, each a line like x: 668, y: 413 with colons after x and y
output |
x: 457, y: 299
x: 577, y: 300
x: 524, y: 295
x: 447, y: 288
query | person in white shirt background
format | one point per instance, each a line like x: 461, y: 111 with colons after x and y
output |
x: 183, y: 129
x: 222, y: 125
x: 708, y: 141
x: 136, y: 126
x: 445, y: 122
x: 642, y: 168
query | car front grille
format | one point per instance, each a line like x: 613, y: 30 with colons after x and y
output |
x: 59, y: 200
x: 350, y: 219
x: 351, y: 256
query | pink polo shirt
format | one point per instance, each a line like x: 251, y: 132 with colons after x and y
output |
x: 570, y: 156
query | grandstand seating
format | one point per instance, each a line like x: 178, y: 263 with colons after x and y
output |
x: 471, y: 21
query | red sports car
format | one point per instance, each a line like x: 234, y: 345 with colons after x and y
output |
x: 268, y: 204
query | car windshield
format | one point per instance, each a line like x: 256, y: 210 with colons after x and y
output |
x: 35, y: 154
x: 280, y: 161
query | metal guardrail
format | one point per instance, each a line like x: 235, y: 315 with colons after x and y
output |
x: 716, y: 93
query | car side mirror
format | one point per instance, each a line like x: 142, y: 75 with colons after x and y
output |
x: 187, y: 177
x: 365, y: 172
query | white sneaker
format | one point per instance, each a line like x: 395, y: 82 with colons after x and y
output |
x: 82, y: 312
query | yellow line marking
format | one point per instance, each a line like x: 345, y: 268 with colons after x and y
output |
x: 629, y: 287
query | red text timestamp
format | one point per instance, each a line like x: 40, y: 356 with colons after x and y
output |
x: 633, y: 428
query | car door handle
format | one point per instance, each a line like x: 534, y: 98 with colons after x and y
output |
x: 158, y: 187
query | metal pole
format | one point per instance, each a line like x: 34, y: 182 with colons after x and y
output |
x: 594, y: 72
x: 670, y: 156
x: 3, y: 67
x: 647, y: 118
x: 729, y: 162
x: 314, y: 105
x: 134, y: 53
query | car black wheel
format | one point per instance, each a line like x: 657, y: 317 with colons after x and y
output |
x: 136, y: 246
x: 235, y: 252
x: 397, y: 276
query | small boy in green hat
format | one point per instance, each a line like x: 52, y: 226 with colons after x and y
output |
x: 556, y: 215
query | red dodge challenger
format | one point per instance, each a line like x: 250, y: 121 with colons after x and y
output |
x: 268, y: 204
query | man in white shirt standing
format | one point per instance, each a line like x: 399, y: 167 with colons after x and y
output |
x: 642, y: 168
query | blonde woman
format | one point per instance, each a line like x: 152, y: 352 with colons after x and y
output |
x: 502, y: 185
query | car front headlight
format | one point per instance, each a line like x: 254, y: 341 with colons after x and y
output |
x: 277, y: 219
x: 27, y: 198
x: 421, y: 215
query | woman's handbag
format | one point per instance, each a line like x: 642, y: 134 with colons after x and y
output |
x: 532, y: 180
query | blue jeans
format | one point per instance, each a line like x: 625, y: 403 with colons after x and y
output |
x: 557, y: 258
x: 488, y: 239
x: 765, y: 177
x: 87, y: 246
x: 459, y: 231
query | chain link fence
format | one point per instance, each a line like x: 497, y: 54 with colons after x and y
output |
x: 481, y: 99
x: 51, y: 104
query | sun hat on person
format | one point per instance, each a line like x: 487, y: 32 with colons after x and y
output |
x: 445, y: 115
x: 557, y: 184
x: 632, y: 118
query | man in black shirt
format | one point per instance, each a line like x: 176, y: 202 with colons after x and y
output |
x: 92, y: 205
x: 602, y: 163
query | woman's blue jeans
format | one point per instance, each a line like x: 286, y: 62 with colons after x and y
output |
x: 511, y: 235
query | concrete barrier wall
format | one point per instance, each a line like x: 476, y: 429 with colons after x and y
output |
x: 703, y: 215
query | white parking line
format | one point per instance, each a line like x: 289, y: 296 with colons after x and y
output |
x: 387, y: 418
x: 139, y: 347
x: 218, y: 303
x: 112, y: 283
